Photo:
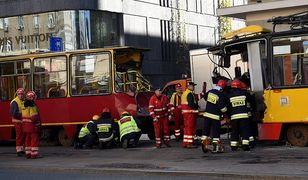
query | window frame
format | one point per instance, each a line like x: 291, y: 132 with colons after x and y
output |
x: 271, y: 55
x: 110, y: 89
x: 67, y: 75
x: 16, y: 73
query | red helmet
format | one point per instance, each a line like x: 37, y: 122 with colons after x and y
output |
x: 20, y: 91
x: 236, y: 84
x: 106, y: 110
x: 244, y: 86
x: 31, y: 95
x: 222, y: 83
x: 178, y: 86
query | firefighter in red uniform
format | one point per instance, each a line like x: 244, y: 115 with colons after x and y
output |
x: 176, y: 110
x: 159, y: 111
x: 31, y: 126
x: 190, y: 111
x: 16, y: 107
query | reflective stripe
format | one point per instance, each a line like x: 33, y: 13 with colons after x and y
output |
x: 238, y: 98
x: 234, y: 143
x: 239, y: 116
x: 106, y: 125
x: 216, y: 140
x: 157, y: 139
x: 224, y: 109
x: 212, y: 116
x: 19, y: 148
x: 34, y: 153
x: 27, y: 120
x: 177, y: 130
x: 159, y: 109
x: 251, y: 138
x: 203, y: 138
x: 172, y: 108
x: 184, y: 103
x: 177, y: 134
x: 16, y: 121
x: 188, y: 136
x: 245, y: 142
x: 190, y: 111
x: 34, y: 148
x: 188, y: 140
x: 151, y: 113
x: 151, y: 106
x: 158, y: 142
x: 161, y: 116
x: 106, y: 139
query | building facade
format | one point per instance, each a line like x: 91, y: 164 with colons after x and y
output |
x: 169, y: 28
x: 258, y: 12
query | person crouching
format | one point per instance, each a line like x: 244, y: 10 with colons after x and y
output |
x: 129, y: 130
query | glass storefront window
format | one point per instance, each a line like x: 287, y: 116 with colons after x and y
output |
x: 14, y: 75
x: 50, y: 77
x: 82, y: 29
x: 90, y: 74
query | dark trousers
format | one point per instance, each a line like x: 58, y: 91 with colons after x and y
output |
x: 211, y: 124
x: 88, y: 140
x: 240, y: 128
x: 134, y: 136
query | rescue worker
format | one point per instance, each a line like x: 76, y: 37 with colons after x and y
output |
x: 239, y: 116
x: 250, y: 106
x: 160, y: 112
x: 190, y: 111
x: 105, y: 133
x: 87, y: 134
x: 16, y: 106
x: 216, y: 106
x: 129, y: 130
x: 176, y: 110
x: 31, y: 124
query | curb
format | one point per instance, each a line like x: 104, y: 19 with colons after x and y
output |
x: 122, y: 171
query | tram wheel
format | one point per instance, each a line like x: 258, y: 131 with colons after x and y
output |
x: 64, y: 140
x: 297, y: 135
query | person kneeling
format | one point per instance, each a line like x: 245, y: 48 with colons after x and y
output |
x: 129, y: 130
x: 87, y: 135
x: 105, y: 125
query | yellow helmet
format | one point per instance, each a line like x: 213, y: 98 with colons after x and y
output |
x: 125, y: 113
x: 95, y: 117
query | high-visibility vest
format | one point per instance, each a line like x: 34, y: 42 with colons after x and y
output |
x: 84, y: 130
x: 28, y: 112
x: 175, y: 99
x: 20, y: 104
x: 127, y: 125
x: 184, y: 103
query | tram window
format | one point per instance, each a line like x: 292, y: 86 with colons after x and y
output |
x: 290, y: 61
x: 90, y: 74
x: 50, y: 77
x: 13, y: 75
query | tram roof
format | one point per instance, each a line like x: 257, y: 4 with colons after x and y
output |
x: 116, y: 48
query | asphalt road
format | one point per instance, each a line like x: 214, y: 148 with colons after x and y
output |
x: 30, y: 175
x: 266, y: 161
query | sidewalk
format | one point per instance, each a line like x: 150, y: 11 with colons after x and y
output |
x: 266, y: 162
